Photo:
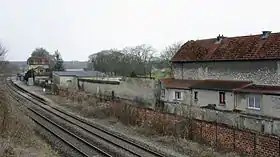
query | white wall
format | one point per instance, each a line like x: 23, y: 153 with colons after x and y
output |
x: 170, y: 96
x: 206, y: 97
x: 270, y: 105
x: 64, y: 83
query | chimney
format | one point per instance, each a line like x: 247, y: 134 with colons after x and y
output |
x: 219, y: 39
x: 265, y: 34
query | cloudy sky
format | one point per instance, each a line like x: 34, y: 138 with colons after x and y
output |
x: 78, y: 28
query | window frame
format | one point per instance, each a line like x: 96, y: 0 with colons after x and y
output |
x: 254, y: 106
x: 195, y: 95
x: 181, y: 97
x: 69, y: 81
x: 222, y: 95
x: 162, y: 92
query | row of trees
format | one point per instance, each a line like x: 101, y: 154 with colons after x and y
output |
x: 131, y: 61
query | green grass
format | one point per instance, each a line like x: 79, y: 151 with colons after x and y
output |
x: 159, y: 75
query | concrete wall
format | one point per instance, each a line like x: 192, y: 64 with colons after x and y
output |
x: 261, y: 72
x: 56, y: 79
x: 64, y: 82
x: 206, y: 97
x: 141, y: 90
x: 270, y: 105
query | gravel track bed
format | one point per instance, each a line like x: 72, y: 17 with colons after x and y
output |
x: 59, y: 144
x: 113, y: 150
x: 79, y: 144
x: 167, y: 145
x: 104, y: 135
x: 125, y: 134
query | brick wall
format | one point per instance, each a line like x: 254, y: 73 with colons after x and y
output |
x: 219, y: 136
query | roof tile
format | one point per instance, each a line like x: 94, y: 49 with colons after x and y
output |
x: 261, y: 89
x: 225, y: 85
x: 178, y: 84
x: 231, y: 48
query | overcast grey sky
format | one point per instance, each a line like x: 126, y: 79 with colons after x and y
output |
x: 78, y: 28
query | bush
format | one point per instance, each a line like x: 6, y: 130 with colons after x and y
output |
x: 133, y: 74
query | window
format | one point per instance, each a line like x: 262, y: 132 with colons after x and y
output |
x: 254, y: 102
x: 178, y: 95
x: 195, y: 95
x: 222, y: 98
x: 163, y: 92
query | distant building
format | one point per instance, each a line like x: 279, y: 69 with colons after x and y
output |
x: 69, y: 79
x: 40, y: 65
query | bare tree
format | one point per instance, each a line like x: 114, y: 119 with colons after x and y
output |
x: 3, y: 63
x: 3, y: 51
x: 140, y: 58
x: 169, y: 52
x: 135, y: 60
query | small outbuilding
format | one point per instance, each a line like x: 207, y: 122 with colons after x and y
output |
x: 69, y: 79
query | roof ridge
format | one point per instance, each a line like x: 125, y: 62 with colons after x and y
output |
x: 250, y: 47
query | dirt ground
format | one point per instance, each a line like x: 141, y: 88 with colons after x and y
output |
x: 175, y: 146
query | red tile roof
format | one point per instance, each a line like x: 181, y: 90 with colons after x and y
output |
x: 224, y: 85
x: 177, y: 84
x: 204, y: 84
x: 261, y: 89
x: 231, y: 48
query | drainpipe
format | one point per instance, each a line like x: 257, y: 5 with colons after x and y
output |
x: 234, y: 100
x: 182, y: 71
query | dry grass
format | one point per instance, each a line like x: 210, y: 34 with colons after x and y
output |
x: 17, y: 135
x: 158, y: 126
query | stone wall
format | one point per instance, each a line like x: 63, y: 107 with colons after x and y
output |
x: 261, y: 72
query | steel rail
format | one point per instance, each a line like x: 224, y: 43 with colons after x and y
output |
x: 142, y: 148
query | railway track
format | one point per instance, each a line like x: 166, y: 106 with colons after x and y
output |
x: 131, y: 148
x: 80, y: 145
